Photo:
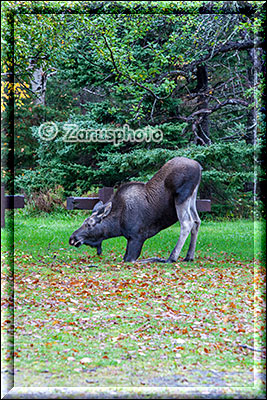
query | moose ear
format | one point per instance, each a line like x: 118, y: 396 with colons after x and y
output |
x: 105, y: 210
x: 97, y: 206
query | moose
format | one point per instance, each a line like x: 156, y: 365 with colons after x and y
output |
x: 140, y: 210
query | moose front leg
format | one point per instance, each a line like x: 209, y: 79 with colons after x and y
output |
x: 133, y: 250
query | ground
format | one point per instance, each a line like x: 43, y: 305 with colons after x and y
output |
x: 193, y: 329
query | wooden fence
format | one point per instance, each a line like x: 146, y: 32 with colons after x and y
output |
x: 9, y: 202
x: 88, y: 203
x: 78, y: 203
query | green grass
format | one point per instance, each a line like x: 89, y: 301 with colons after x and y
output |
x: 129, y: 324
x: 42, y: 236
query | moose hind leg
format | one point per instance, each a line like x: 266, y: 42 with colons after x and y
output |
x: 186, y: 221
x: 195, y: 228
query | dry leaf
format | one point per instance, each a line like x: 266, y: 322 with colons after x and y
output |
x: 85, y: 360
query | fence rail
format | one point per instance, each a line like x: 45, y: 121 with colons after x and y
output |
x: 77, y: 203
x: 9, y: 202
x: 88, y: 203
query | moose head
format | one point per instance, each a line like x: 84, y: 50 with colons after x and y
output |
x: 92, y: 231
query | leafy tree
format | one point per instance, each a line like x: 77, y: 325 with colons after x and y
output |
x: 191, y: 69
x: 191, y: 65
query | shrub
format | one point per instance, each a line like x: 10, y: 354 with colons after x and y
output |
x: 48, y: 201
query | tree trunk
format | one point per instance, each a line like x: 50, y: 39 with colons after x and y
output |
x: 251, y: 132
x: 202, y: 126
x: 38, y: 85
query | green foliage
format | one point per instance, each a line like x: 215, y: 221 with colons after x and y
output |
x: 70, y: 176
x: 226, y: 170
x: 139, y: 68
x: 227, y: 167
x: 143, y: 65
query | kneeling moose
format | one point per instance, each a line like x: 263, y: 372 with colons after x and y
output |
x: 139, y: 211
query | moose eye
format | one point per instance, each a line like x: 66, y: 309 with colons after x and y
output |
x: 89, y: 223
x: 86, y: 223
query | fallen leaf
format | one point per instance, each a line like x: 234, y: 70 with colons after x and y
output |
x: 179, y: 340
x: 85, y: 360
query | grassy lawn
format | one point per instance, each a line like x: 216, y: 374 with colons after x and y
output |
x: 84, y: 320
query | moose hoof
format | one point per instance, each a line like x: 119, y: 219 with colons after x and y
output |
x: 188, y: 259
x: 170, y: 260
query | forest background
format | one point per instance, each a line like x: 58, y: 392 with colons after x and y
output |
x: 193, y: 70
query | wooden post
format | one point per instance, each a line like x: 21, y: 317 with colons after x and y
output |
x: 203, y: 205
x: 105, y: 194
